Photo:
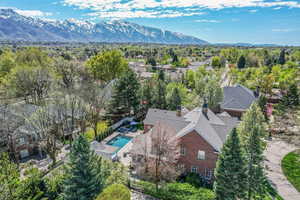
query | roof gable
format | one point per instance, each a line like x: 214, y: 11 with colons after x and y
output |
x: 237, y: 98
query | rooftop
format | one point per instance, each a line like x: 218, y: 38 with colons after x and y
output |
x: 213, y: 128
x: 237, y: 98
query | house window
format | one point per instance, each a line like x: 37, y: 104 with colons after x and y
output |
x: 24, y: 153
x: 208, y: 174
x: 182, y: 151
x: 21, y: 141
x: 180, y: 167
x: 194, y: 169
x: 201, y: 155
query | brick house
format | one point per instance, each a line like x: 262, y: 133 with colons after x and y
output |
x: 15, y: 135
x: 200, y: 134
x: 237, y: 99
x: 20, y: 138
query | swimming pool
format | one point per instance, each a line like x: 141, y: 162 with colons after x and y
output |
x: 119, y: 141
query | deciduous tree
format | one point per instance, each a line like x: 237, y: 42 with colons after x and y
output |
x: 107, y: 66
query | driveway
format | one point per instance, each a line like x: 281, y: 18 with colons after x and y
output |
x: 274, y: 153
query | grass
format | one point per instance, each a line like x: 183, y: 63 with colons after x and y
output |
x: 291, y: 168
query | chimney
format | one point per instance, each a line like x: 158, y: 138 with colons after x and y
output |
x: 256, y: 92
x: 178, y: 112
x: 205, y: 108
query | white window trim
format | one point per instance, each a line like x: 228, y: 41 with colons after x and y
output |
x: 22, y: 141
x: 182, y: 151
x: 194, y: 167
x: 201, y: 155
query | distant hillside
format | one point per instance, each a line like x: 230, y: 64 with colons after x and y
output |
x: 14, y: 26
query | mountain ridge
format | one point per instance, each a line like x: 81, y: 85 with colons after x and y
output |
x: 14, y: 26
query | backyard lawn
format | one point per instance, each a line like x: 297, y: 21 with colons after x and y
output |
x: 291, y: 168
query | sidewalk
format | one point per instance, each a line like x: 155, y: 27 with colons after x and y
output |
x: 274, y: 153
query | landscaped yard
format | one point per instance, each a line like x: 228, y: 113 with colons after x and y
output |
x: 291, y: 168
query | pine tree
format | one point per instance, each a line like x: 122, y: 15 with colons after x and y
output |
x: 125, y: 99
x: 252, y: 131
x: 161, y: 75
x: 83, y: 180
x: 281, y: 59
x: 241, y: 62
x: 255, y: 159
x: 175, y: 100
x: 231, y: 170
x: 9, y: 178
x: 175, y: 59
x: 160, y: 95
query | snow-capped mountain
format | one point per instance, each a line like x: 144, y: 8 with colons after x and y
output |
x: 14, y: 26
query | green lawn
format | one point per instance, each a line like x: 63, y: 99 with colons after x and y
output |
x: 291, y: 168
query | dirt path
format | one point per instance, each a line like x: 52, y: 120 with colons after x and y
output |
x: 276, y: 150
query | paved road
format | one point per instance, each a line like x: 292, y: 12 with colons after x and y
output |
x: 274, y: 153
x: 225, y: 77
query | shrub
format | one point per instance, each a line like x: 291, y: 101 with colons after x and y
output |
x: 102, y: 128
x: 176, y: 191
x: 187, y: 191
x: 194, y: 179
x: 115, y: 192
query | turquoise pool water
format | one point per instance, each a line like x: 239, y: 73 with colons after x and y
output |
x: 119, y: 141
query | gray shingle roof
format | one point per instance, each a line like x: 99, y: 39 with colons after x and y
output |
x: 237, y: 98
x: 213, y: 128
x: 165, y: 116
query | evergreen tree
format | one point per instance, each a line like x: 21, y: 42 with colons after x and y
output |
x: 161, y: 75
x: 151, y: 61
x: 241, y: 62
x: 9, y: 178
x: 281, y: 59
x: 175, y: 100
x: 175, y: 59
x: 146, y: 94
x: 256, y: 177
x: 125, y: 99
x: 252, y: 131
x: 83, y: 180
x: 160, y: 95
x: 291, y: 98
x: 231, y: 170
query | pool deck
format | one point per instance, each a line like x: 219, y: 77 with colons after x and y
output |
x: 107, y: 151
x: 123, y: 153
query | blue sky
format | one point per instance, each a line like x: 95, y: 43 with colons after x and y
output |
x: 229, y: 21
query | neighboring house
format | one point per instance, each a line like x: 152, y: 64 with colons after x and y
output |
x: 15, y: 137
x: 200, y: 134
x: 237, y: 99
x: 19, y: 137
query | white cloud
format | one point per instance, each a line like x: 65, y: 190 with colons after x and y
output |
x: 207, y: 21
x: 33, y: 13
x: 168, y: 8
x: 29, y: 13
x: 142, y: 14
